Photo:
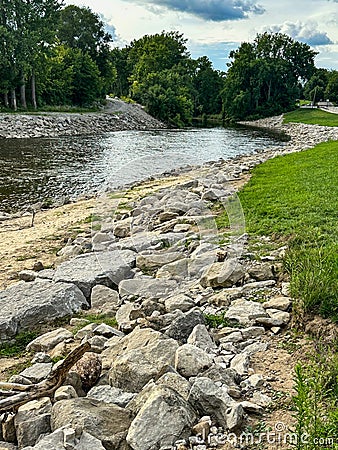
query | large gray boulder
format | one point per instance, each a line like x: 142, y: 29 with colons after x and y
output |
x: 164, y: 418
x: 209, y: 399
x: 138, y: 357
x: 181, y: 327
x: 32, y: 420
x: 108, y: 423
x: 147, y: 287
x: 107, y: 268
x: 151, y: 261
x: 223, y: 274
x: 245, y: 311
x: 191, y: 360
x: 24, y: 306
x: 64, y: 439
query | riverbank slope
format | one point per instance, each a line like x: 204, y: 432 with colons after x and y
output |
x: 116, y: 115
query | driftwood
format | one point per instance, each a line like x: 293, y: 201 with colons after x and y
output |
x: 21, y: 394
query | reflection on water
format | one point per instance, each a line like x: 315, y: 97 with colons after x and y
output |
x: 39, y: 169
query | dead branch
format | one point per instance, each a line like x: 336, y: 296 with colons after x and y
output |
x: 46, y: 387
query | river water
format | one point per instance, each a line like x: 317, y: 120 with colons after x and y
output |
x: 35, y: 170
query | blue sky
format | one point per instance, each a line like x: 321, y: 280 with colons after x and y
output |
x: 215, y: 27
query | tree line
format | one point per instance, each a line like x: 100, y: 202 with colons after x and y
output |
x: 56, y: 55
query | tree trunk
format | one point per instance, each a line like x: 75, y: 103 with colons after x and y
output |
x: 6, y: 101
x: 21, y: 394
x: 33, y: 90
x: 269, y: 90
x: 23, y: 90
x: 13, y: 99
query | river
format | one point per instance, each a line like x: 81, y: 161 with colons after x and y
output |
x: 49, y: 169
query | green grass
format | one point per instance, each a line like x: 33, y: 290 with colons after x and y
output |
x: 217, y: 320
x: 294, y: 199
x: 316, y: 401
x: 312, y: 117
x: 100, y: 318
x: 18, y: 345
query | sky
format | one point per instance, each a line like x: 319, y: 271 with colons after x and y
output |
x: 215, y: 27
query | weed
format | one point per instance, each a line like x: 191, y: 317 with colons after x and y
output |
x: 100, y: 318
x: 18, y: 345
x: 217, y: 320
x: 315, y: 403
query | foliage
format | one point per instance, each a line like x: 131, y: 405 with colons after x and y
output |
x: 264, y: 77
x: 165, y: 97
x: 315, y: 402
x: 218, y: 320
x: 18, y: 345
x: 312, y: 117
x: 314, y: 89
x: 81, y: 29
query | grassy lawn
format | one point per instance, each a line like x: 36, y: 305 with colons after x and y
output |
x: 312, y: 117
x: 295, y: 198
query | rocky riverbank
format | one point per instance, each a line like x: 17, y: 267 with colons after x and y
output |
x: 197, y: 313
x: 115, y: 116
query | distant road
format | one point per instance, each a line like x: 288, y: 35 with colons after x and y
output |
x: 331, y: 109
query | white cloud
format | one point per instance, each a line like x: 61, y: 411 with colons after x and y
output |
x: 304, y: 32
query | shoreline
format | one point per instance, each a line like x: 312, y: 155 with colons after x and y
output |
x: 154, y: 269
x: 53, y: 226
x: 115, y: 116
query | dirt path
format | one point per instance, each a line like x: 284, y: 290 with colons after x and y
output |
x: 22, y: 245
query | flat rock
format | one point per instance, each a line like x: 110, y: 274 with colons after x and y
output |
x: 147, y: 287
x: 48, y: 341
x: 245, y: 311
x: 153, y: 261
x: 106, y: 422
x: 108, y: 268
x: 180, y: 301
x: 23, y: 306
x: 223, y: 274
x: 109, y: 394
x: 163, y: 419
x: 138, y: 357
x: 281, y: 303
x: 37, y: 372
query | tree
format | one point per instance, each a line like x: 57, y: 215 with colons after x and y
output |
x: 160, y: 78
x: 331, y: 91
x: 26, y: 31
x: 119, y: 60
x: 264, y: 76
x: 207, y: 83
x: 166, y: 97
x: 156, y: 52
x: 82, y: 29
x: 315, y: 87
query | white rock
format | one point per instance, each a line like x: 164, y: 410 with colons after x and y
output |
x: 191, y: 360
